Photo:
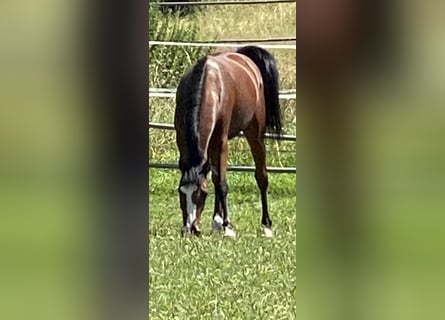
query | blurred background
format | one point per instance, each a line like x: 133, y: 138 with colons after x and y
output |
x: 46, y: 148
x: 370, y: 159
x: 72, y: 140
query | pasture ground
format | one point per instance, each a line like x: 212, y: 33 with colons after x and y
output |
x: 212, y: 277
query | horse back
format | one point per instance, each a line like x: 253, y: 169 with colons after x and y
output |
x: 239, y: 85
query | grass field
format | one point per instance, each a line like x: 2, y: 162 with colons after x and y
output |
x: 212, y: 277
x: 217, y: 278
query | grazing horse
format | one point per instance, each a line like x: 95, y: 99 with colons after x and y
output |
x: 220, y: 96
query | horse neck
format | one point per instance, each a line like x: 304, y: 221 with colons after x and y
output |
x: 207, y: 126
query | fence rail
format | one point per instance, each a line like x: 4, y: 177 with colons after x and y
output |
x: 171, y: 93
x: 262, y: 40
x: 173, y: 90
x: 229, y: 168
x: 213, y: 3
x: 288, y: 96
x: 223, y: 45
x: 168, y: 126
x: 249, y: 40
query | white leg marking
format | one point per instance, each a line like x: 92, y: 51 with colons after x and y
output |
x: 191, y: 207
x: 268, y: 233
x: 217, y: 223
x: 185, y: 231
x: 229, y: 232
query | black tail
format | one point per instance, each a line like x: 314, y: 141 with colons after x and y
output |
x: 265, y: 61
x: 188, y: 97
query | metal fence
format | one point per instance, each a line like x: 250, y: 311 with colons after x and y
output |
x: 284, y: 137
x: 264, y: 43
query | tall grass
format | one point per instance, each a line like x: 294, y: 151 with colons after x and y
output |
x: 166, y: 63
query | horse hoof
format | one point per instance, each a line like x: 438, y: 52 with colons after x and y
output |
x: 268, y: 233
x: 230, y: 233
x: 217, y: 223
x: 185, y: 232
x: 196, y: 231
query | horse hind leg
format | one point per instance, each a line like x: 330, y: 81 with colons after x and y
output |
x: 258, y: 148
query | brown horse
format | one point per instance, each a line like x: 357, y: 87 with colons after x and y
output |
x: 220, y: 96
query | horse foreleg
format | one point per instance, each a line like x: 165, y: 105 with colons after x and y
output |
x: 217, y: 222
x: 219, y: 167
x: 226, y: 224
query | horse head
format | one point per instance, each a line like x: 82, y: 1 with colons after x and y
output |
x: 193, y: 192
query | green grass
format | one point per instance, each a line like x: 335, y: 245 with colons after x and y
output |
x: 212, y: 277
